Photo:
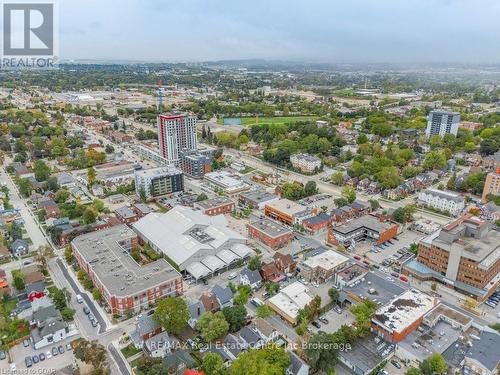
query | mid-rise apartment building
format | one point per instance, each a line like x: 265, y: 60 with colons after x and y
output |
x: 465, y: 255
x: 441, y: 122
x: 126, y: 286
x: 442, y: 201
x: 491, y: 184
x: 305, y: 162
x: 157, y: 182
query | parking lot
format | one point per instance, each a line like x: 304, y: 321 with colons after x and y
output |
x: 49, y: 365
x: 335, y: 320
x: 405, y: 239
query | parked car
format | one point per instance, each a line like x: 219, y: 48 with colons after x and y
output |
x: 68, y: 346
x: 323, y: 320
x: 94, y: 323
x: 48, y: 355
x: 490, y: 304
x: 231, y: 276
x: 86, y: 310
x: 26, y: 343
x: 396, y: 363
x: 316, y: 324
x: 35, y: 359
x: 91, y: 317
x: 2, y: 355
x: 41, y: 356
x: 54, y: 351
x: 338, y: 310
x: 60, y: 348
x: 28, y: 361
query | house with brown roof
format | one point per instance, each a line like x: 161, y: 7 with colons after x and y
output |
x: 269, y: 272
x: 4, y: 253
x: 209, y: 301
x: 284, y: 263
x: 266, y: 331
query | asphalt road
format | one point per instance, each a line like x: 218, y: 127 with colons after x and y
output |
x: 89, y: 302
x: 122, y: 366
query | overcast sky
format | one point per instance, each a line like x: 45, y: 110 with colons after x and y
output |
x: 310, y: 30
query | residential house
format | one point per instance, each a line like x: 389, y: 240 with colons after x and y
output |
x: 265, y: 330
x: 209, y: 302
x: 126, y: 215
x: 297, y: 366
x: 224, y: 296
x: 4, y: 287
x: 159, y: 345
x: 251, y: 338
x: 269, y: 272
x: 35, y: 290
x: 50, y: 327
x: 196, y: 309
x: 19, y: 248
x: 145, y: 328
x: 284, y: 263
x: 50, y: 207
x: 317, y: 223
x: 4, y: 254
x: 251, y: 278
x: 179, y: 361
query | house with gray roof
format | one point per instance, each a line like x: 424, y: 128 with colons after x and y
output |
x: 178, y: 361
x: 297, y: 365
x: 196, y: 308
x: 224, y: 296
x: 50, y: 327
x: 19, y: 247
x: 483, y: 357
x: 145, y: 328
x: 251, y: 337
x: 251, y: 278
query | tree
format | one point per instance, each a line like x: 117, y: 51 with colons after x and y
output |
x: 18, y: 280
x: 333, y: 293
x: 25, y: 187
x: 337, y: 178
x: 52, y: 183
x: 488, y: 146
x: 374, y: 204
x: 92, y: 353
x: 172, y: 314
x: 254, y: 263
x: 349, y: 194
x: 61, y: 196
x: 213, y: 364
x: 434, y: 364
x: 68, y: 313
x: 41, y: 170
x: 263, y: 311
x: 89, y: 216
x: 91, y: 174
x: 363, y: 312
x: 201, y: 197
x: 212, y: 326
x: 435, y: 160
x: 68, y: 254
x: 413, y: 371
x: 235, y: 316
x: 323, y: 351
x: 96, y: 294
x: 389, y: 177
x: 340, y: 202
x: 147, y: 365
x: 244, y: 292
x: 310, y: 188
x: 142, y: 194
x: 272, y: 287
x: 270, y: 360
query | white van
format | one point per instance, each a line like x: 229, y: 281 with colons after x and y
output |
x: 79, y: 298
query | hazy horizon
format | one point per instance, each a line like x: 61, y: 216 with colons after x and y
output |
x: 361, y: 31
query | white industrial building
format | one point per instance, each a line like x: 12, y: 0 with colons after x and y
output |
x: 199, y: 244
x: 442, y: 200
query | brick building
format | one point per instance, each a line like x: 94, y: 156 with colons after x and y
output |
x: 465, y: 255
x: 271, y: 233
x: 288, y: 212
x: 126, y: 286
x: 216, y: 206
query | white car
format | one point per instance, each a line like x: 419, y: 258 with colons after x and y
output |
x: 231, y: 276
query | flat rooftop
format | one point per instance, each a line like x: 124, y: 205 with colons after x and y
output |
x: 287, y: 206
x: 374, y: 287
x: 327, y: 260
x: 157, y: 172
x: 107, y: 253
x: 270, y: 227
x: 403, y: 310
x: 258, y: 196
x: 214, y: 202
x: 367, y: 221
x: 291, y: 299
x: 225, y: 179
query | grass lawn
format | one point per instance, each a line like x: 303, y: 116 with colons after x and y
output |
x: 272, y: 120
x: 247, y: 169
x: 130, y: 350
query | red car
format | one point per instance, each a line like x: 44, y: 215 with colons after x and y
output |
x: 366, y: 262
x: 403, y: 278
x: 357, y: 257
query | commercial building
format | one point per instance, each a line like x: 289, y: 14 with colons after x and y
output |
x: 225, y: 181
x: 305, y: 162
x: 199, y: 244
x: 442, y: 200
x: 157, y: 182
x: 126, y: 286
x: 441, y: 122
x: 216, y: 206
x: 257, y: 199
x: 175, y: 134
x: 289, y: 301
x: 401, y: 316
x: 365, y: 227
x: 271, y: 233
x: 491, y: 184
x: 483, y: 356
x: 317, y: 223
x: 464, y: 255
x: 288, y: 212
x: 323, y: 267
